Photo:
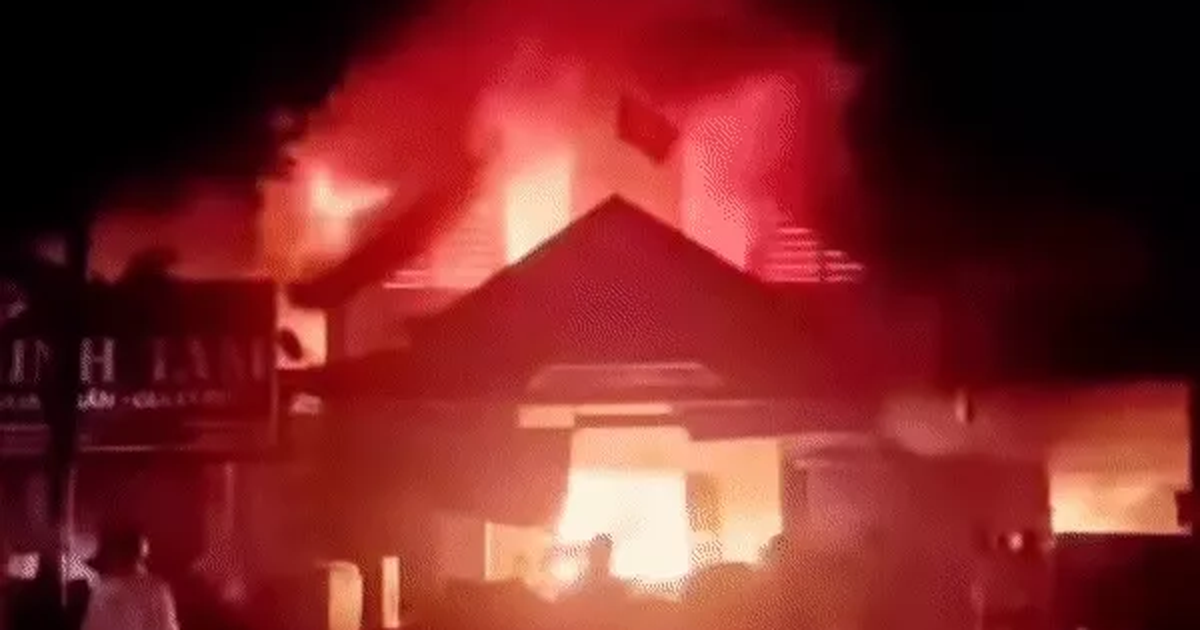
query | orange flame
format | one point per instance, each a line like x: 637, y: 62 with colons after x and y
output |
x: 644, y: 513
x: 342, y: 200
x: 335, y: 205
x: 537, y: 204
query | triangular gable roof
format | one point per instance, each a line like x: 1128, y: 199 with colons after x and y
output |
x: 616, y: 286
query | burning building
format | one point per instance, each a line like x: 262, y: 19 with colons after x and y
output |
x: 529, y: 361
x: 176, y: 392
x: 620, y: 325
x: 621, y: 379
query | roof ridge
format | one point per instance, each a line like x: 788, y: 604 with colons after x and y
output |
x: 579, y: 238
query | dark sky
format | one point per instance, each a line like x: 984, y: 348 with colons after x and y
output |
x: 1051, y: 136
x: 1086, y: 103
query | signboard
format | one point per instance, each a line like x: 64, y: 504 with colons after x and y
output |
x: 163, y: 365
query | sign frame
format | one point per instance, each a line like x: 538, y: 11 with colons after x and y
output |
x: 166, y: 366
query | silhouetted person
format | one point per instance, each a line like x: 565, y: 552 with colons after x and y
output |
x: 127, y: 596
x: 598, y: 600
x: 598, y: 579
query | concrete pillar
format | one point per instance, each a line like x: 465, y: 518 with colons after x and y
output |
x: 219, y: 560
x: 462, y: 547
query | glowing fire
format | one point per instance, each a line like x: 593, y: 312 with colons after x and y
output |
x: 644, y: 513
x: 335, y: 204
x: 343, y: 200
x: 537, y: 204
x: 534, y: 89
x: 1108, y: 504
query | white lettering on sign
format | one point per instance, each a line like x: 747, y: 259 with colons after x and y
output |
x: 197, y: 360
x: 106, y: 361
x: 96, y: 400
x: 104, y: 400
x: 98, y: 361
x: 28, y: 360
x: 195, y: 365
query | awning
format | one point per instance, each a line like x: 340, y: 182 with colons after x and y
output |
x: 764, y: 418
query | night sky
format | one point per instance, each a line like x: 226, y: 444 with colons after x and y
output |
x: 1084, y: 103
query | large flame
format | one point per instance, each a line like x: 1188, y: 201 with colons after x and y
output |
x: 645, y: 514
x: 757, y: 104
x: 335, y: 205
x: 757, y: 113
x: 537, y: 82
x: 342, y: 200
x: 537, y: 203
x: 547, y: 170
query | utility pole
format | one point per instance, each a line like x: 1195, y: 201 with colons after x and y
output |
x: 67, y: 310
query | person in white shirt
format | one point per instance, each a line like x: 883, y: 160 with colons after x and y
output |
x: 128, y: 596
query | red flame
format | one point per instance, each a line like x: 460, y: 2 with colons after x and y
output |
x: 753, y: 113
x: 342, y: 200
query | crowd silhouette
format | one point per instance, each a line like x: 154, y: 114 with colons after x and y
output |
x: 777, y: 595
x: 790, y: 589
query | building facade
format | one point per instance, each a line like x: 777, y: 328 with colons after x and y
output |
x: 177, y: 390
x: 622, y: 359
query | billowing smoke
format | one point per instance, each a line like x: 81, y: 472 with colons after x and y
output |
x: 758, y: 107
